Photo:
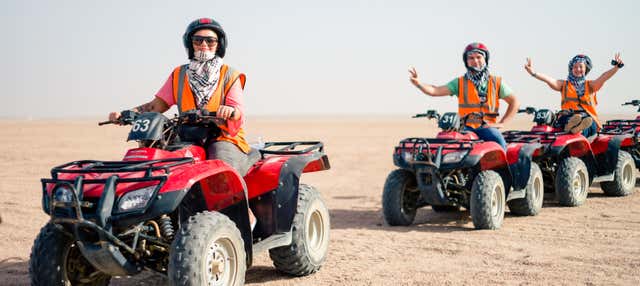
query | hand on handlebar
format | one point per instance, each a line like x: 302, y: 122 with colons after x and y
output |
x: 226, y: 112
x: 117, y: 118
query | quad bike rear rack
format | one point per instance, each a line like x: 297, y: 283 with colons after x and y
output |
x: 514, y: 136
x: 620, y: 126
x: 290, y: 148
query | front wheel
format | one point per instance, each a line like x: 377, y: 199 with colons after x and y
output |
x: 56, y: 260
x: 534, y: 195
x: 572, y: 182
x: 310, y: 236
x: 624, y: 179
x: 208, y: 250
x: 400, y: 198
x: 487, y: 200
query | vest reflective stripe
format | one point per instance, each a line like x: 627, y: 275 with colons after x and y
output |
x: 571, y: 101
x: 181, y: 76
x: 185, y: 99
x: 469, y: 100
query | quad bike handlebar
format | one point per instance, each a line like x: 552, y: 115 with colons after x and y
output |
x: 527, y: 110
x: 452, y: 121
x: 634, y: 102
x: 429, y: 114
x: 193, y: 117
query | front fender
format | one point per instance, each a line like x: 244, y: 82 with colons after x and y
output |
x: 576, y: 144
x: 218, y: 186
x: 220, y: 183
x: 490, y: 154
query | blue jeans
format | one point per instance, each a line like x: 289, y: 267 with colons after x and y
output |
x: 489, y: 134
x: 591, y: 130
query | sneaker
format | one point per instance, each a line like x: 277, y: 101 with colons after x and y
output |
x: 584, y: 124
x: 572, y: 122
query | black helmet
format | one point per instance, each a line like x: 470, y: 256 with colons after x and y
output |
x: 587, y: 63
x: 476, y: 47
x: 205, y: 23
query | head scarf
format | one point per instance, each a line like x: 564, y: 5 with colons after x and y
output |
x: 204, y: 75
x: 577, y: 82
x: 479, y: 76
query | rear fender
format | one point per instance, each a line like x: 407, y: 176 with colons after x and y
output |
x: 280, y: 177
x: 520, y: 163
x: 608, y: 148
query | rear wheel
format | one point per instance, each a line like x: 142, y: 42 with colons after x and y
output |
x: 310, y: 236
x: 624, y: 179
x: 208, y: 250
x: 56, y: 260
x: 400, y: 198
x: 534, y: 195
x: 572, y: 182
x: 487, y: 200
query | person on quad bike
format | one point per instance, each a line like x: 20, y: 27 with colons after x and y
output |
x: 206, y: 82
x: 477, y: 91
x: 578, y: 93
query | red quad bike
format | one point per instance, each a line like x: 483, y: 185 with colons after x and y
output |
x: 166, y: 208
x: 456, y: 169
x: 571, y: 162
x: 626, y: 126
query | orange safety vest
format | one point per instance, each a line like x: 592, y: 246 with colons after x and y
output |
x: 588, y: 102
x: 469, y: 100
x: 185, y: 99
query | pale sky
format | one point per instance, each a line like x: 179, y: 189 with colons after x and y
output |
x: 84, y: 58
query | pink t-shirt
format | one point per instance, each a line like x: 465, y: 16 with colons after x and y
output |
x: 234, y: 99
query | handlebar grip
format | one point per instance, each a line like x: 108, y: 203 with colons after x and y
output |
x: 105, y: 122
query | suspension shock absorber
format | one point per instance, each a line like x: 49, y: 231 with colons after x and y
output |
x: 166, y: 227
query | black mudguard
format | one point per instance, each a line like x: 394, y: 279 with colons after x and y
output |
x: 521, y: 170
x: 606, y: 162
x: 286, y: 195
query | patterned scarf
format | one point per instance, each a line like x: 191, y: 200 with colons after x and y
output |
x: 204, y: 75
x: 479, y: 77
x: 577, y: 82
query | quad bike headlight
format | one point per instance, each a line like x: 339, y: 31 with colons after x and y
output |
x: 454, y: 157
x: 135, y: 200
x: 63, y: 194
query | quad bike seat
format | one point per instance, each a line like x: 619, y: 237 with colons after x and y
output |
x: 253, y: 157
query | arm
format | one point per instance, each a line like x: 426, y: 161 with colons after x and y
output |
x: 160, y: 103
x: 599, y: 82
x: 235, y: 105
x: 428, y: 89
x: 155, y: 105
x: 511, y: 110
x: 553, y: 83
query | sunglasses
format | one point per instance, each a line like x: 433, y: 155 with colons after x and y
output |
x: 197, y: 40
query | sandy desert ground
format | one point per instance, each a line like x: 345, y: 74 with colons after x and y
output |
x: 595, y: 244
